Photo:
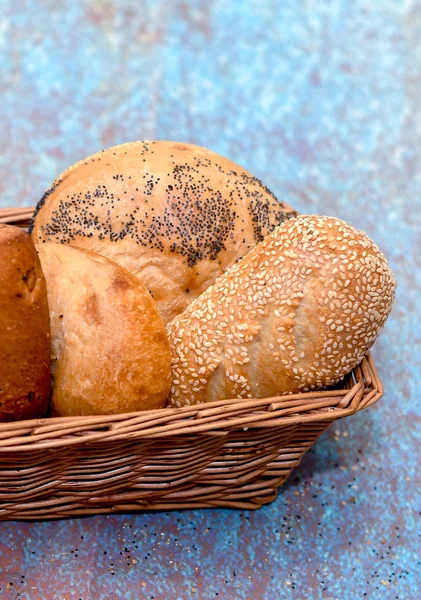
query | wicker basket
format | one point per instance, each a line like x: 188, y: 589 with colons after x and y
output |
x: 231, y: 453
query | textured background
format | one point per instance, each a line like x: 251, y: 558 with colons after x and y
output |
x: 322, y: 100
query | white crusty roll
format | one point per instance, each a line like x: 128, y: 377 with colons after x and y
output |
x: 110, y: 351
x: 175, y: 215
x: 297, y: 313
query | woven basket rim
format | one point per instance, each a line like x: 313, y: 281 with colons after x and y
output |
x: 360, y: 389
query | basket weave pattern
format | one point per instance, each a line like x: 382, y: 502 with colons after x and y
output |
x: 230, y: 453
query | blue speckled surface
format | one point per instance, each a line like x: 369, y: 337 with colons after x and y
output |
x: 322, y: 100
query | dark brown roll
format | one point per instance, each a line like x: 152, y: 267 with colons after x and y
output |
x: 24, y: 329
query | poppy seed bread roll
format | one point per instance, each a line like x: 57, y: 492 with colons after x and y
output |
x: 175, y: 215
x: 297, y: 313
x: 24, y: 329
x: 110, y: 351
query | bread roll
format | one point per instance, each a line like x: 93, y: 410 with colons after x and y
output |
x: 24, y: 329
x: 296, y: 314
x: 109, y: 347
x: 174, y: 215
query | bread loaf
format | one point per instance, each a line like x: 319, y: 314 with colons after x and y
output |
x: 175, y: 215
x: 110, y: 352
x: 24, y: 329
x: 296, y: 314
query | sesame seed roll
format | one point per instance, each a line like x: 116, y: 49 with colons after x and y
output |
x: 297, y: 313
